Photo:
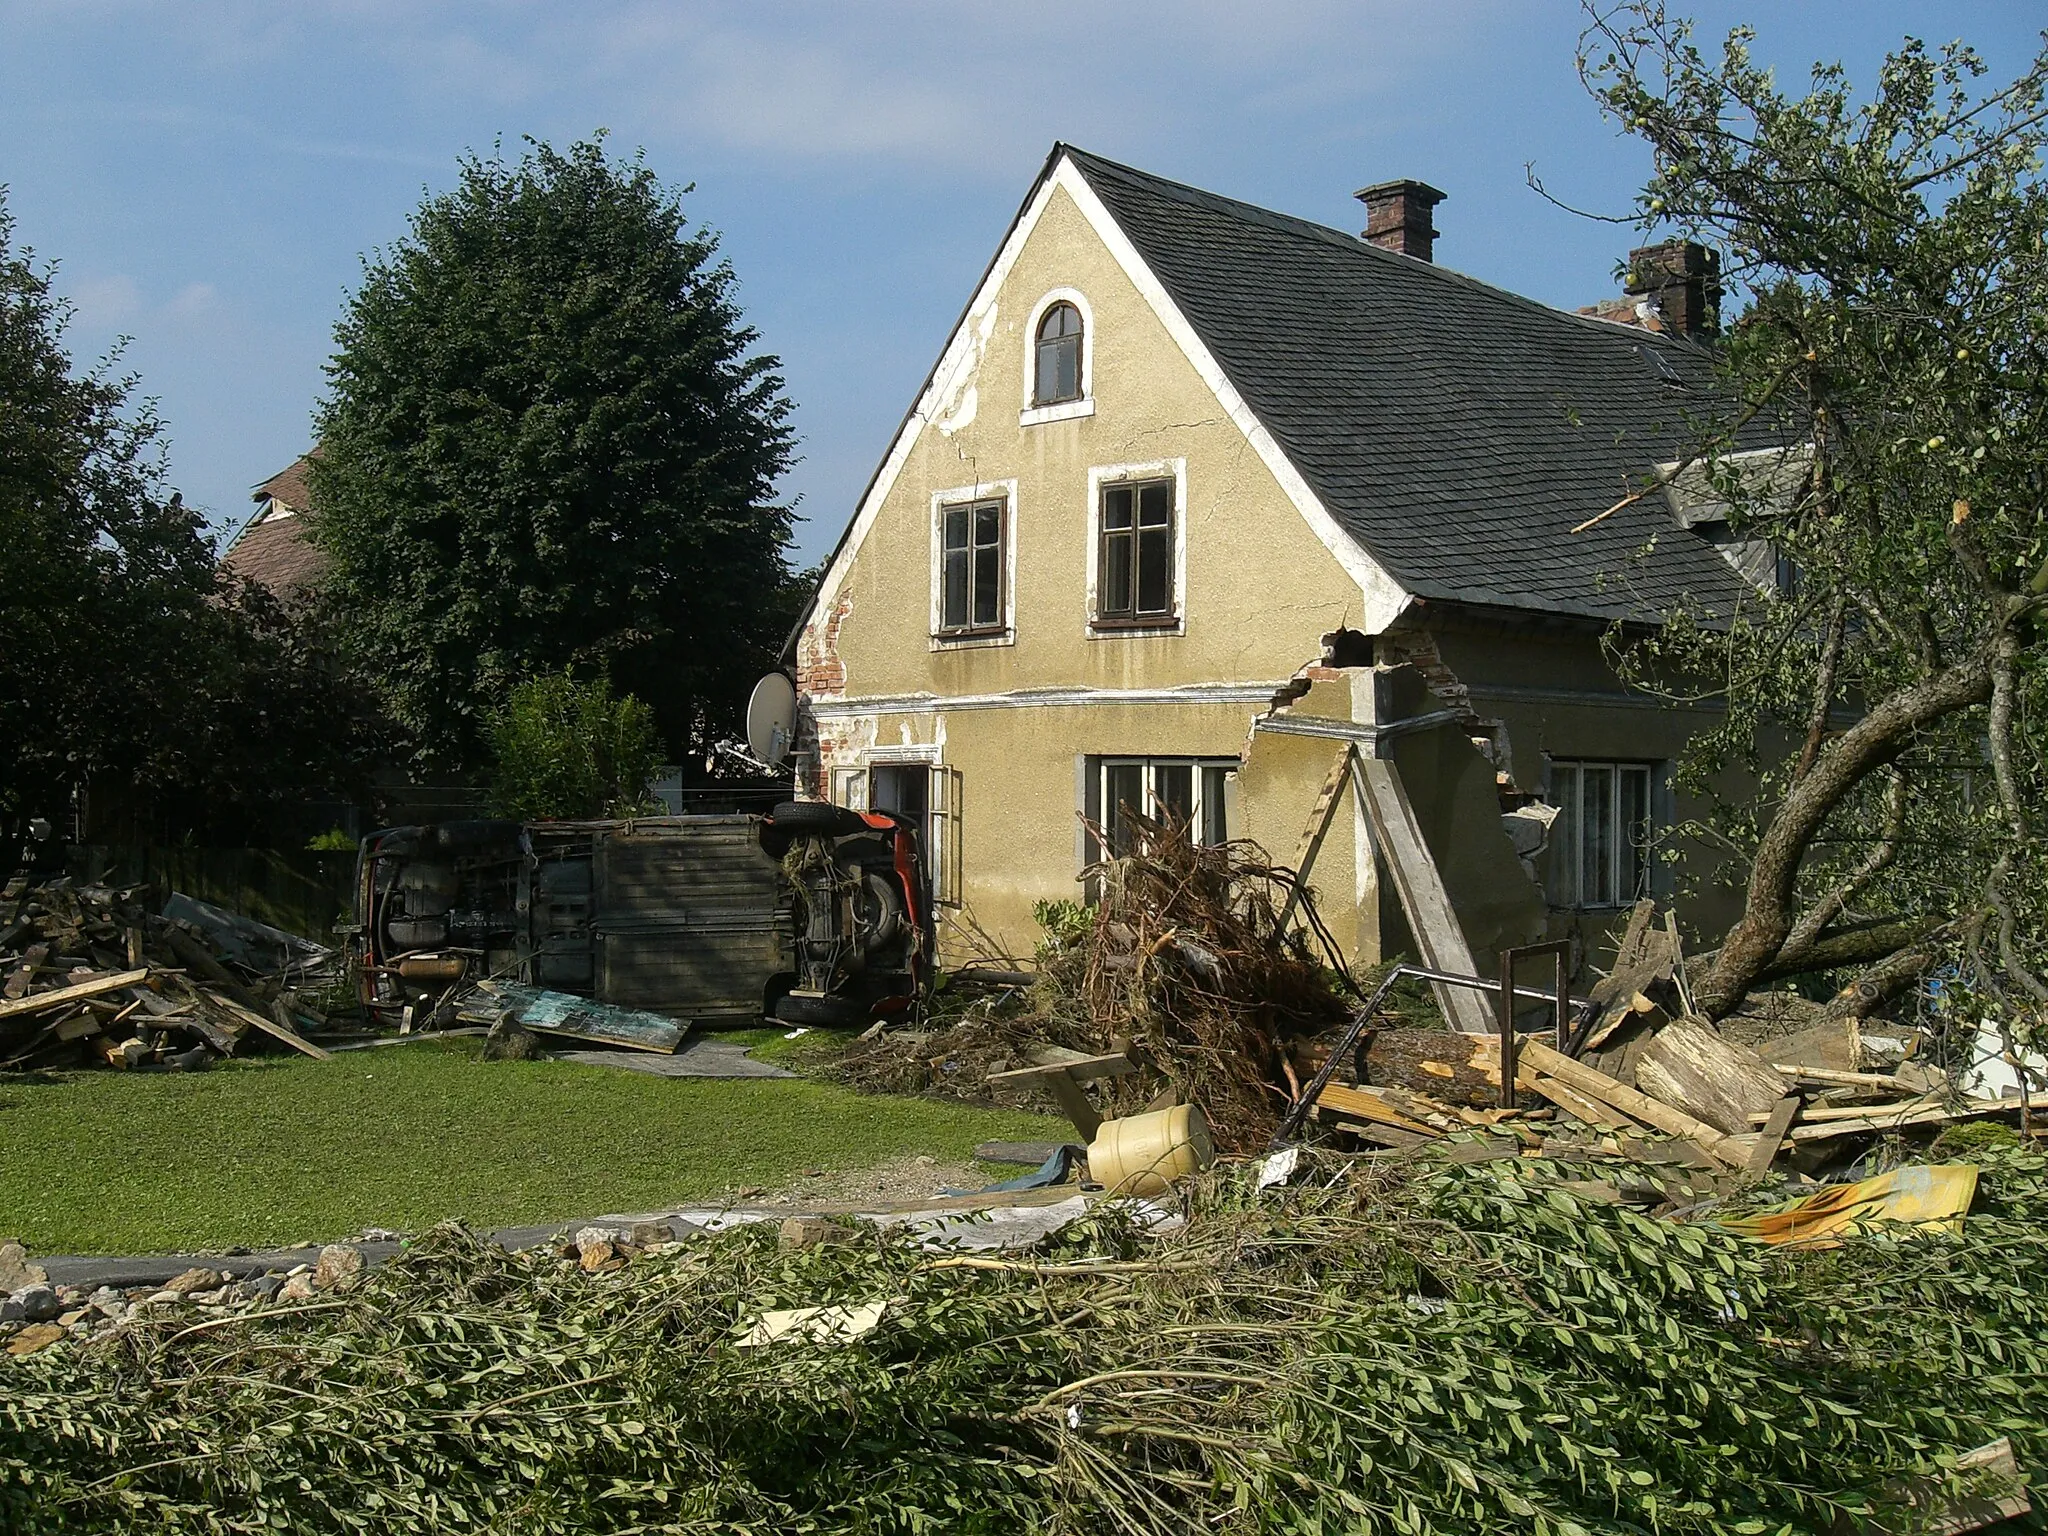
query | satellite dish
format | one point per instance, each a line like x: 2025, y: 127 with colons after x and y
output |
x: 771, y: 718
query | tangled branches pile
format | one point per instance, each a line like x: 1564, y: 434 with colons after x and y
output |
x: 1186, y: 959
x: 1388, y: 1347
x: 1182, y: 960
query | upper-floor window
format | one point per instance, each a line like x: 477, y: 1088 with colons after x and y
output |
x: 1057, y: 374
x: 1135, y: 561
x: 971, y: 567
x: 1600, y: 842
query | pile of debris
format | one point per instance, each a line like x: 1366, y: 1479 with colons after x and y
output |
x: 1189, y: 963
x: 94, y: 976
x: 1636, y: 1062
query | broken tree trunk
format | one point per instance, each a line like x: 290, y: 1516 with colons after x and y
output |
x: 1689, y: 1067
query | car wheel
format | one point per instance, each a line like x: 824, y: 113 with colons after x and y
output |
x: 816, y: 818
x: 826, y: 1012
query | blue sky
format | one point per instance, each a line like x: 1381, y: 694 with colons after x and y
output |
x: 208, y: 173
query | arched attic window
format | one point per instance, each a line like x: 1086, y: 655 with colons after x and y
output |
x: 1057, y: 377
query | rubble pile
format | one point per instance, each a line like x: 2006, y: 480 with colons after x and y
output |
x: 1638, y: 1068
x: 95, y: 976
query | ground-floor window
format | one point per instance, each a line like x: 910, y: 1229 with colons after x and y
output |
x: 1192, y: 792
x: 1600, y: 843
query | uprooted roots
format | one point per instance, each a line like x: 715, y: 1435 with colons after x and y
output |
x: 1184, y: 960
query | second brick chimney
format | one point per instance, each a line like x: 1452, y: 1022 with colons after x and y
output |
x: 1685, y: 281
x: 1397, y: 216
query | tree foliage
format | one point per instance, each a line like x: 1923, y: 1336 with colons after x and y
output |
x: 549, y: 443
x: 127, y: 659
x: 1889, y: 251
x: 1390, y: 1348
x: 564, y: 749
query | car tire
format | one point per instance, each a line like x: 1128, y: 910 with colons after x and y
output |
x: 826, y: 1012
x: 815, y: 818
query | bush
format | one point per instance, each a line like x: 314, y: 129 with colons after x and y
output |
x: 564, y: 749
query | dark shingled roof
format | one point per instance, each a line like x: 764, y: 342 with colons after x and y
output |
x: 1457, y: 431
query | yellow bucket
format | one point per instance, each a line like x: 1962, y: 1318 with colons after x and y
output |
x: 1144, y: 1154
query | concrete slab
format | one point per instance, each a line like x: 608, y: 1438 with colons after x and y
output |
x: 702, y: 1057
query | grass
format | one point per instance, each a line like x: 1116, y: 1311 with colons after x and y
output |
x: 281, y: 1150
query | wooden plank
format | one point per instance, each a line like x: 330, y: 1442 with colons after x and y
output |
x: 36, y: 1002
x: 1814, y: 1114
x: 1691, y: 1068
x: 1772, y: 1137
x: 1420, y: 885
x: 1827, y: 1077
x: 1603, y: 1117
x: 1073, y: 1101
x: 1879, y: 1120
x: 1637, y: 1106
x: 1364, y: 1104
x: 1083, y: 1069
x: 270, y: 1027
x: 1600, y: 1116
x: 1384, y: 1135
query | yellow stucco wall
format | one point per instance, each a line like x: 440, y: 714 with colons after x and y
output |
x: 1258, y: 589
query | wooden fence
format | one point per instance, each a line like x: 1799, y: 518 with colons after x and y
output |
x: 301, y: 892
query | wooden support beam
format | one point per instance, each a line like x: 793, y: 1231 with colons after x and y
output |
x: 1420, y: 885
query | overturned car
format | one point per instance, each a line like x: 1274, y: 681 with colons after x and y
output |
x: 813, y: 914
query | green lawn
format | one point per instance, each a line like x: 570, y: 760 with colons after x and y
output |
x: 281, y: 1150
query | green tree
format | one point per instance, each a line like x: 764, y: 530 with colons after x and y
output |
x: 1888, y: 252
x: 128, y: 662
x: 548, y: 442
x: 563, y: 749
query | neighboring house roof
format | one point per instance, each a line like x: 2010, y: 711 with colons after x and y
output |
x: 1456, y: 431
x: 272, y: 549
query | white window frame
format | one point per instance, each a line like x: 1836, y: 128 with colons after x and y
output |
x: 962, y: 495
x: 1095, y: 791
x: 1564, y: 887
x: 939, y: 839
x: 1065, y: 410
x: 1106, y: 475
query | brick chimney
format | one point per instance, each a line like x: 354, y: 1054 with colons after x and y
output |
x: 1397, y: 216
x: 1684, y: 280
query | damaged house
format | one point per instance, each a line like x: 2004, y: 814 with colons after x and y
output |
x: 1202, y: 499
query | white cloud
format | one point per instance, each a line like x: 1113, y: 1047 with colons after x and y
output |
x: 192, y: 300
x: 104, y: 303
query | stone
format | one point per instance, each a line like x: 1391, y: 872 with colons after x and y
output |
x: 163, y: 1298
x: 338, y: 1268
x: 648, y: 1234
x: 74, y: 1317
x: 36, y: 1336
x: 31, y: 1304
x: 801, y: 1232
x: 15, y: 1268
x: 595, y: 1255
x: 509, y: 1042
x: 193, y: 1280
x: 298, y: 1287
x: 265, y: 1287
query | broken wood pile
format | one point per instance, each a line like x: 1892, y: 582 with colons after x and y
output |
x: 93, y: 976
x: 1639, y: 1063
